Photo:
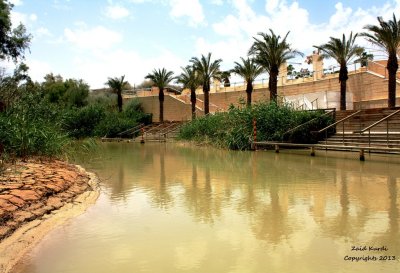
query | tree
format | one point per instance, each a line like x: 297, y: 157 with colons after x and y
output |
x: 225, y: 75
x: 10, y: 90
x: 13, y: 41
x: 189, y: 79
x: 290, y: 70
x: 249, y: 70
x: 118, y: 84
x: 207, y: 70
x: 343, y: 51
x: 271, y: 52
x: 386, y: 35
x: 364, y: 58
x: 161, y: 78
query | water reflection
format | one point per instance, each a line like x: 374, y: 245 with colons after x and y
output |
x: 207, y: 210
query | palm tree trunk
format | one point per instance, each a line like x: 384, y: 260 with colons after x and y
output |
x: 273, y: 84
x: 193, y: 101
x: 119, y: 94
x: 392, y: 67
x: 206, y: 99
x: 343, y: 79
x: 343, y: 95
x: 161, y: 99
x: 249, y: 90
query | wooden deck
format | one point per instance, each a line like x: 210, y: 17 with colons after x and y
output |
x: 313, y: 147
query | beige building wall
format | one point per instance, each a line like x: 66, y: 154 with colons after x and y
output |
x: 174, y: 109
x: 365, y: 89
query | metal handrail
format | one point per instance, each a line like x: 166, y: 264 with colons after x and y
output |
x: 337, y: 122
x: 368, y: 128
x: 378, y: 122
x: 168, y: 129
x: 152, y: 129
x: 312, y: 104
x: 133, y: 129
x: 329, y: 111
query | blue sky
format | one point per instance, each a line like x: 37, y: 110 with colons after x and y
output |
x: 96, y: 39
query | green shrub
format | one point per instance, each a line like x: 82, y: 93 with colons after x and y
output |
x: 234, y: 129
x: 113, y: 124
x: 31, y: 126
x: 81, y: 122
x: 24, y: 137
x: 133, y: 110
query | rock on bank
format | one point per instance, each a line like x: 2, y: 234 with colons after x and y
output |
x: 35, y: 196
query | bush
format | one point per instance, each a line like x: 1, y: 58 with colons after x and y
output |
x: 81, y: 122
x: 113, y: 124
x: 133, y: 110
x: 23, y: 137
x: 31, y: 126
x: 234, y: 129
x: 96, y: 120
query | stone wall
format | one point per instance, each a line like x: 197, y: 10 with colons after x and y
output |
x: 174, y: 109
x: 364, y: 90
x: 224, y: 99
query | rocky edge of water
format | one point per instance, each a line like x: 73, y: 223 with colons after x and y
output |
x: 35, y: 197
x: 30, y: 190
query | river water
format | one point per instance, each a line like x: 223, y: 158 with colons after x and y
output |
x: 170, y: 208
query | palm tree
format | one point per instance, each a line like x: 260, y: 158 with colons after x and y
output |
x: 190, y: 79
x: 117, y: 84
x: 270, y: 52
x: 363, y: 58
x: 206, y: 70
x: 225, y: 75
x: 161, y: 78
x: 387, y: 36
x: 249, y: 70
x: 342, y: 51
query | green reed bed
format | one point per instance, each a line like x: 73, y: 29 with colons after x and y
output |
x: 234, y: 129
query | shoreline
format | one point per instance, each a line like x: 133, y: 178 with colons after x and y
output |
x: 65, y: 192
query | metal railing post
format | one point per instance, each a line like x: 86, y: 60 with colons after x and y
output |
x: 387, y: 132
x: 343, y: 132
x: 369, y: 138
x: 326, y: 137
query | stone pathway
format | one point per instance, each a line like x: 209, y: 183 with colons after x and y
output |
x: 30, y: 190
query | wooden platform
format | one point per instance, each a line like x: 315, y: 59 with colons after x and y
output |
x: 313, y: 147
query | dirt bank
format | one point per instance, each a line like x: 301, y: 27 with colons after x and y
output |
x: 36, y: 196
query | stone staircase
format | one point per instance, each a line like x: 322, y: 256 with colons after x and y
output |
x: 354, y: 131
x: 160, y: 131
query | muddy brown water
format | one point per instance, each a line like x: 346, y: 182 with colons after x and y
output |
x: 170, y: 208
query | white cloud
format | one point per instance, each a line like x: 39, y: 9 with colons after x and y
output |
x: 96, y: 67
x: 238, y: 28
x: 25, y: 19
x: 116, y: 12
x: 139, y: 1
x: 217, y: 2
x: 38, y: 69
x: 341, y: 16
x: 41, y: 32
x: 97, y: 38
x: 188, y: 8
x: 61, y: 5
x: 17, y: 2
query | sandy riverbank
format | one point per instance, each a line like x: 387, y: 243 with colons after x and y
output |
x: 35, y: 197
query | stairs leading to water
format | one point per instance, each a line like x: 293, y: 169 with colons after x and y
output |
x: 352, y: 132
x: 160, y: 132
